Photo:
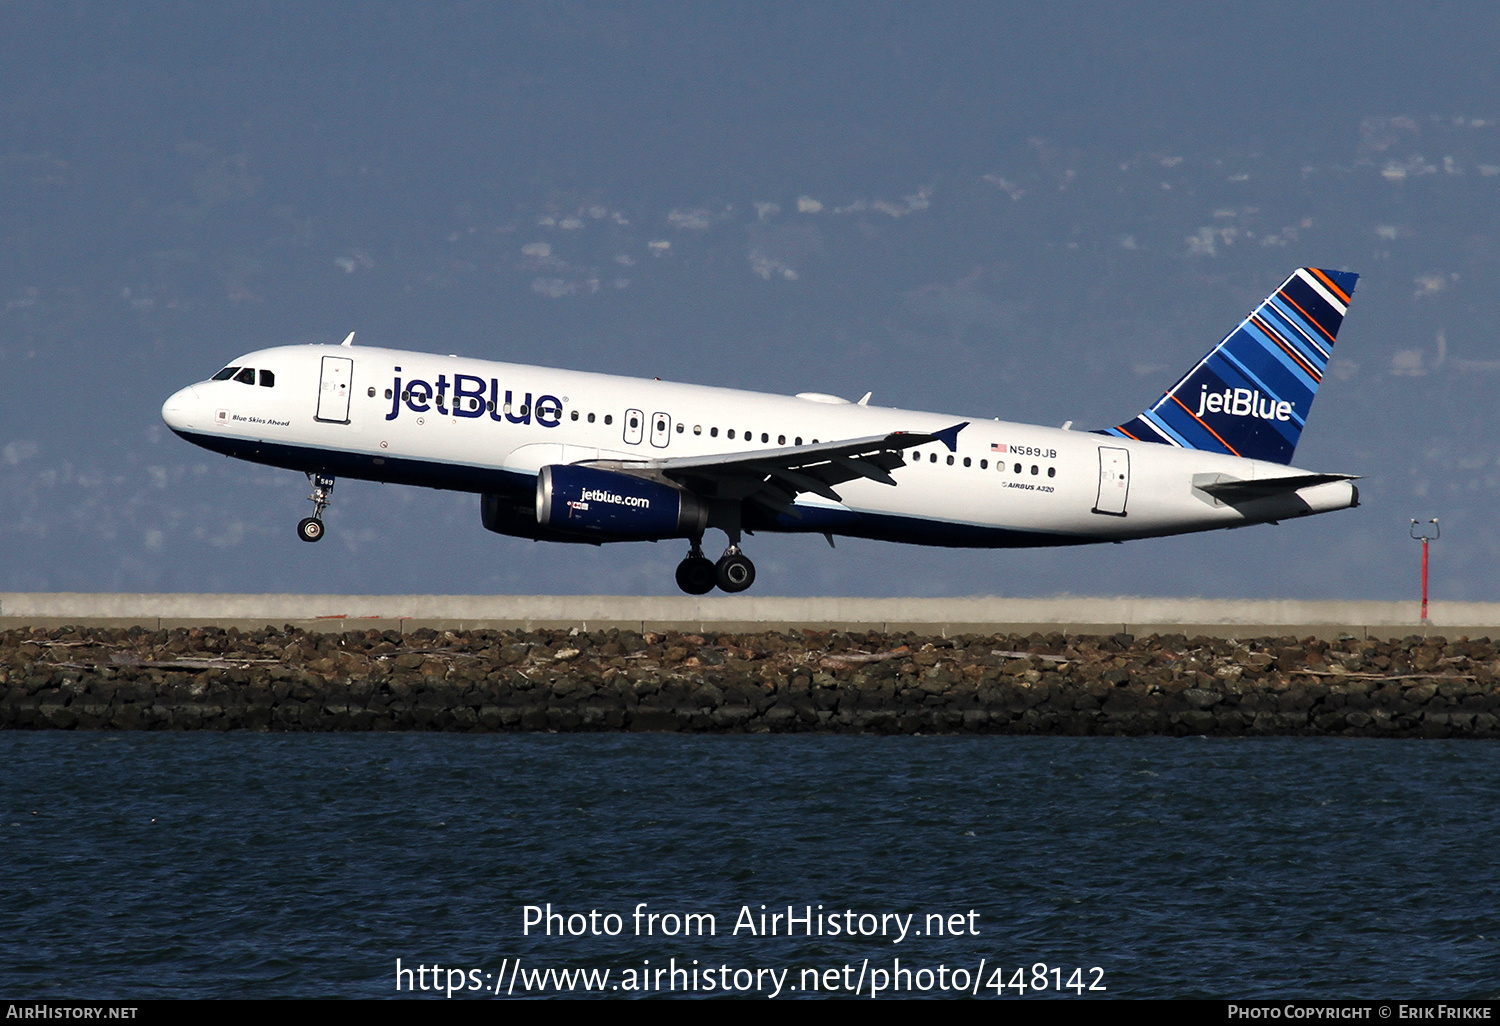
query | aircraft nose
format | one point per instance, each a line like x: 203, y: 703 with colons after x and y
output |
x: 179, y: 409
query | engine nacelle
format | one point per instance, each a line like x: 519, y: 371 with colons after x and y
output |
x: 610, y: 505
x: 508, y: 514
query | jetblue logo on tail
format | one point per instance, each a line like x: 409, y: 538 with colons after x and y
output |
x: 1242, y: 402
x: 1251, y: 394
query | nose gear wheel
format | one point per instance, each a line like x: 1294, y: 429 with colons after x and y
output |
x: 310, y: 529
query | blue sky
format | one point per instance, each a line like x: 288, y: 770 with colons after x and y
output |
x: 1040, y: 215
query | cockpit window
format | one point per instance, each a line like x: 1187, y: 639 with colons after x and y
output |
x: 247, y: 376
x: 267, y: 379
x: 225, y: 374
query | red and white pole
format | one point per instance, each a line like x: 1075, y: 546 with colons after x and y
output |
x: 1425, y: 534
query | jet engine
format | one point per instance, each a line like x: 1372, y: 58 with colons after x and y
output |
x: 609, y: 505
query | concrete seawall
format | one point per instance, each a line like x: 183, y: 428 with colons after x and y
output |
x: 942, y: 617
x: 742, y: 664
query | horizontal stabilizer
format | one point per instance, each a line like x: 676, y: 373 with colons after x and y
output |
x: 1228, y: 490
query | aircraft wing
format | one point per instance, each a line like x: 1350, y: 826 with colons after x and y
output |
x: 775, y: 477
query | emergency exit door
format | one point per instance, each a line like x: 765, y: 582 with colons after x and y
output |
x: 661, y: 430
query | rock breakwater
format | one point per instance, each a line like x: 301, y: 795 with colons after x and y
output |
x: 830, y: 681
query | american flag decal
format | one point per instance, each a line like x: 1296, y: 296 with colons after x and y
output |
x: 997, y: 447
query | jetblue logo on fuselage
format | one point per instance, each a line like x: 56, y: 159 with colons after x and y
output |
x: 615, y: 498
x: 472, y: 397
x: 1243, y: 402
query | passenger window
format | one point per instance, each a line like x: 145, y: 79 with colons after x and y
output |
x: 591, y: 418
x: 1018, y: 468
x: 697, y: 429
x: 634, y: 422
x: 764, y: 437
x: 950, y: 461
x: 1033, y: 470
x: 575, y: 414
x: 932, y: 457
x: 968, y: 462
x: 799, y: 440
x: 268, y: 380
x: 490, y: 405
x: 679, y: 427
x: 246, y: 376
x: 984, y: 464
x: 730, y: 433
x: 713, y: 432
x: 609, y: 418
x: 388, y: 393
x: 225, y: 374
x: 781, y: 439
x: 1051, y: 471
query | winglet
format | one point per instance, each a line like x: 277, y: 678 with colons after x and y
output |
x: 949, y: 435
x: 348, y: 341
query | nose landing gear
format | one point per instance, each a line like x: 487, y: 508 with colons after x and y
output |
x: 310, y: 529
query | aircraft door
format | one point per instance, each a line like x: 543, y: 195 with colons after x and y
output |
x: 1114, y: 481
x: 333, y: 389
x: 635, y: 426
x: 661, y: 430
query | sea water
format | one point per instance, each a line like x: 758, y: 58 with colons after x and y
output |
x: 171, y: 865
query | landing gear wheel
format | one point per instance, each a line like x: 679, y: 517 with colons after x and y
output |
x: 735, y: 572
x: 696, y: 575
x: 311, y: 528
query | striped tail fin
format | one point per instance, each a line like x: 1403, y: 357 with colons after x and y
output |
x: 1250, y: 396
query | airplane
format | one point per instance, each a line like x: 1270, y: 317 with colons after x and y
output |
x: 572, y: 456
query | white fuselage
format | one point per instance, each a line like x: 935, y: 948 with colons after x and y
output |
x: 375, y: 414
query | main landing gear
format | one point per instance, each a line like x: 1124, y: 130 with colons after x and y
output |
x: 734, y: 571
x: 310, y: 529
x: 698, y: 575
x: 695, y: 574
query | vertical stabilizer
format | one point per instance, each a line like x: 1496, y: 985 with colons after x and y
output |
x: 1251, y: 395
